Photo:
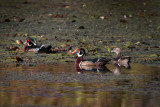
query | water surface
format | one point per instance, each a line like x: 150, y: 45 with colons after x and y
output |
x: 62, y: 85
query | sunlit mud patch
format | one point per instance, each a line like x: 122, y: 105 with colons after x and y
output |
x: 61, y: 84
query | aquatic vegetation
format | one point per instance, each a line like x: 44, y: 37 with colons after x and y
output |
x: 97, y: 26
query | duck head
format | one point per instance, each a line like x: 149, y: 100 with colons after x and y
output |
x: 116, y: 50
x: 30, y: 41
x: 80, y: 52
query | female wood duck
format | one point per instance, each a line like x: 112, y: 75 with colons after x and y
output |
x: 33, y: 47
x: 88, y: 62
x: 121, y: 61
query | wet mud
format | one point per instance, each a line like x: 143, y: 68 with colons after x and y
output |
x: 97, y: 26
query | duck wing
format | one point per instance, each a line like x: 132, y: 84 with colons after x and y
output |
x: 45, y: 48
x: 128, y: 58
x: 98, y: 61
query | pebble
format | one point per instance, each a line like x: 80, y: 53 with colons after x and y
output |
x: 19, y: 42
x: 102, y: 17
x: 13, y: 48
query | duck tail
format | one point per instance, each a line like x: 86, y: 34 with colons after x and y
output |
x: 128, y: 58
x: 45, y: 48
x: 125, y: 63
x: 48, y: 49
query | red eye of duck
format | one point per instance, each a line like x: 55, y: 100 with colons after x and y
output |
x: 28, y: 40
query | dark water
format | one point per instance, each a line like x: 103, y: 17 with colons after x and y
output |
x: 61, y: 85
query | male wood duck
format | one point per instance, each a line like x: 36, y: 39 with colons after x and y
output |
x: 88, y: 62
x: 121, y: 61
x: 33, y: 47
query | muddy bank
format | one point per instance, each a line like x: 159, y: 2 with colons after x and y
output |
x: 98, y: 26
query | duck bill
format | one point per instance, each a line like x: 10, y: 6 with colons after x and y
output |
x: 75, y: 51
x: 112, y: 51
x: 25, y: 42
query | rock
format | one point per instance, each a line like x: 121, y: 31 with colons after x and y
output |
x: 123, y: 21
x: 19, y: 42
x: 19, y: 59
x: 26, y: 2
x: 84, y: 5
x: 7, y: 20
x: 73, y: 20
x: 67, y: 7
x: 64, y: 45
x: 17, y: 19
x: 13, y: 48
x: 102, y: 17
x: 81, y: 27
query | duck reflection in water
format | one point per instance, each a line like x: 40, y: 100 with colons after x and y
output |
x: 98, y: 69
x: 118, y: 68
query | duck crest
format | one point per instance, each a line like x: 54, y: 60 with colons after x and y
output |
x: 31, y: 41
x: 81, y: 52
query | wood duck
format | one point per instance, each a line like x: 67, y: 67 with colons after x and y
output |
x: 38, y: 49
x: 46, y: 48
x: 88, y: 62
x: 33, y: 47
x: 121, y: 61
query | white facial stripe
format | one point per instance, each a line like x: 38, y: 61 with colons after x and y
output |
x: 79, y: 55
